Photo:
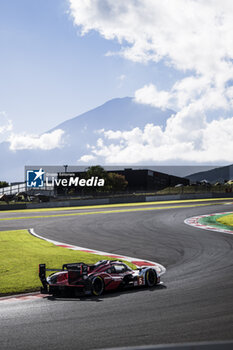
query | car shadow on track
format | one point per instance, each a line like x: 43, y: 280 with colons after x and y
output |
x: 110, y: 294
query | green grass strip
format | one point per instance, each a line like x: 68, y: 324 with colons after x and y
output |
x: 20, y: 255
x: 226, y: 220
x: 217, y: 221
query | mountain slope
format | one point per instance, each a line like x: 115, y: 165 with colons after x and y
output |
x: 219, y: 174
x: 117, y: 114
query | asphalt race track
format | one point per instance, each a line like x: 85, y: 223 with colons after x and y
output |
x: 195, y: 303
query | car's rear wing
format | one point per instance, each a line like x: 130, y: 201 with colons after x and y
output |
x: 81, y: 267
x: 75, y: 270
x: 42, y: 276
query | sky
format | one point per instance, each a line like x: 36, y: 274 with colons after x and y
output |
x: 60, y: 58
x: 49, y: 71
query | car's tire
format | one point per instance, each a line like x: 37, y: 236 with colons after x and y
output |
x: 54, y: 291
x: 97, y: 286
x: 151, y: 278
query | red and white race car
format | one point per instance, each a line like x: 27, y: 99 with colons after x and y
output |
x: 105, y: 275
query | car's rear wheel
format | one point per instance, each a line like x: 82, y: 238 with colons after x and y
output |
x: 97, y: 286
x: 151, y: 278
x: 54, y: 291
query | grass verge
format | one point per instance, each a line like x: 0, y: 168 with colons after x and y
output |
x: 214, y: 221
x: 20, y: 255
x: 226, y: 220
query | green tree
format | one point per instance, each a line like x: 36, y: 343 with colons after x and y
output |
x: 116, y: 182
x: 3, y: 184
x: 96, y: 171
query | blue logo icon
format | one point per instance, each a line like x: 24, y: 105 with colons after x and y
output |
x: 35, y: 178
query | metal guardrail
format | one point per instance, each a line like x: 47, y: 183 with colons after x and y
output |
x: 22, y: 187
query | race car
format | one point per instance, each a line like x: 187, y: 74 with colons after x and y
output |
x: 105, y: 275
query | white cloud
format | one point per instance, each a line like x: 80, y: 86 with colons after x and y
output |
x: 208, y: 142
x: 188, y: 91
x: 189, y: 34
x: 5, y: 125
x: 87, y: 158
x: 150, y: 95
x: 193, y: 97
x: 192, y: 36
x: 46, y: 141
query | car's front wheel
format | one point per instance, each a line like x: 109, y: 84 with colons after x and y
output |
x: 151, y: 278
x: 97, y: 286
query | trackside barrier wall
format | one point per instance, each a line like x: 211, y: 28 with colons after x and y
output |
x: 112, y: 200
x: 189, y: 346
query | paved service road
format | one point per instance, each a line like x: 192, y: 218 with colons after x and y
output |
x: 195, y: 304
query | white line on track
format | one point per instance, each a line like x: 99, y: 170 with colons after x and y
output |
x: 138, y: 262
